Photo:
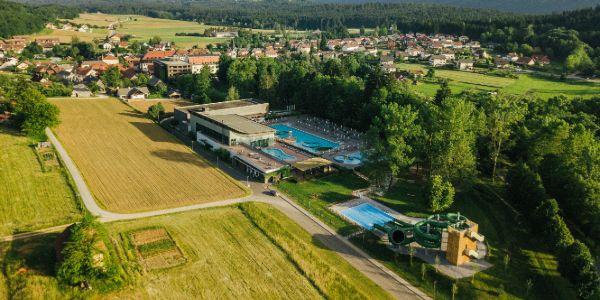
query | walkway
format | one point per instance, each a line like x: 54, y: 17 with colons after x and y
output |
x: 385, y: 278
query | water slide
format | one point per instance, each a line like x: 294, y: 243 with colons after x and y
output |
x: 427, y: 232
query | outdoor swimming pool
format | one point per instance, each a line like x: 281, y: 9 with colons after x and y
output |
x: 350, y: 159
x: 366, y: 215
x: 279, y: 154
x: 304, y: 140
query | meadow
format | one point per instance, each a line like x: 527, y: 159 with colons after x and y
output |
x: 528, y: 258
x: 132, y: 164
x: 526, y: 83
x: 250, y: 251
x: 143, y: 28
x: 29, y: 197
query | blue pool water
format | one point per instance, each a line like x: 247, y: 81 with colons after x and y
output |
x: 304, y: 140
x: 278, y: 153
x: 366, y: 215
x: 350, y: 159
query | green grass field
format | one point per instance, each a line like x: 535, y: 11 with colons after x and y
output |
x: 250, y: 251
x: 30, y: 198
x: 528, y: 259
x: 526, y: 83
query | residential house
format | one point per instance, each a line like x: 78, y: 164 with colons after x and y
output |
x: 129, y: 73
x: 481, y: 53
x: 133, y: 93
x: 110, y: 59
x: 84, y: 74
x: 81, y: 91
x: 512, y: 57
x: 210, y: 61
x: 437, y: 60
x: 501, y: 63
x: 525, y: 61
x: 464, y: 64
x: 541, y: 60
x: 115, y: 39
x: 386, y: 60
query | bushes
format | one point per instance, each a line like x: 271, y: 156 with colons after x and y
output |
x: 439, y: 193
x: 86, y: 258
x: 577, y: 264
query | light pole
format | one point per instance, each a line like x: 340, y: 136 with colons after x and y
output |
x: 247, y: 182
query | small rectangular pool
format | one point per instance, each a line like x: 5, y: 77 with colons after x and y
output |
x: 303, y: 139
x: 366, y: 215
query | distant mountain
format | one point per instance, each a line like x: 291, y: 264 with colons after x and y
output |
x: 517, y: 6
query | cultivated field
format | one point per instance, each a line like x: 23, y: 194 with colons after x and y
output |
x: 143, y: 28
x: 229, y: 256
x: 131, y: 164
x: 169, y: 105
x: 526, y: 83
x: 30, y: 198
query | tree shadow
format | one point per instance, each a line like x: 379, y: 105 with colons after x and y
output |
x: 181, y: 157
x: 152, y: 131
x: 332, y: 243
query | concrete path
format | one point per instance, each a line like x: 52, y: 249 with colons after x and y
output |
x: 385, y: 278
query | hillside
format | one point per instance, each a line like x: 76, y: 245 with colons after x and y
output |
x: 18, y: 18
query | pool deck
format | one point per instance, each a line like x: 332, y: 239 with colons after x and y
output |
x: 428, y: 255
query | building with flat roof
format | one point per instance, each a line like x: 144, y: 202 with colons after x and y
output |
x: 231, y: 130
x: 167, y: 68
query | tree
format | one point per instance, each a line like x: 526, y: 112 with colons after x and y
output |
x: 579, y: 61
x: 390, y: 140
x: 502, y: 112
x: 232, y: 94
x: 201, y: 86
x: 155, y: 40
x: 439, y: 194
x: 451, y: 149
x: 361, y: 31
x: 577, y: 265
x: 84, y: 258
x: 112, y: 77
x: 323, y: 43
x: 431, y: 74
x: 34, y: 113
x: 241, y: 74
x: 156, y: 111
x: 442, y: 93
x: 524, y: 188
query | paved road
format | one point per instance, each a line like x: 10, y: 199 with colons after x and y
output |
x: 388, y: 280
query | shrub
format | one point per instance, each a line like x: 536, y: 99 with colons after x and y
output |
x: 439, y: 193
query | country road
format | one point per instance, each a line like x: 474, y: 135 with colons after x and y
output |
x: 385, y: 278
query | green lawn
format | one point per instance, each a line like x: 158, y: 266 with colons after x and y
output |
x: 317, y: 195
x: 30, y: 198
x: 526, y: 83
x: 528, y: 258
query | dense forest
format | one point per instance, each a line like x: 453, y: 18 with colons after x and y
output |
x: 18, y: 19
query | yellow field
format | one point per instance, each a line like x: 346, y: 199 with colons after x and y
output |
x: 169, y: 105
x: 131, y: 164
x: 67, y: 36
x: 30, y: 198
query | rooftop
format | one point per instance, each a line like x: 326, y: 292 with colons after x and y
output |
x: 239, y: 124
x: 257, y: 159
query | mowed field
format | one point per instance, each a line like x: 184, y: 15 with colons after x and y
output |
x: 143, y: 28
x: 169, y: 105
x: 251, y: 251
x: 29, y: 198
x: 526, y: 83
x: 131, y: 164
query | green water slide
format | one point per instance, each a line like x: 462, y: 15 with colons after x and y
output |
x: 427, y: 232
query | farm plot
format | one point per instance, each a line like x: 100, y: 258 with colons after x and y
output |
x: 155, y: 248
x: 29, y: 197
x: 131, y: 164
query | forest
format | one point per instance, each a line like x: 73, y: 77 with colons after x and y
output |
x: 16, y: 19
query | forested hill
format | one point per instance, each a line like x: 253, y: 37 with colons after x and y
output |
x: 18, y: 18
x: 516, y: 6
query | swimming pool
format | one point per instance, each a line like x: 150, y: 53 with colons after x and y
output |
x: 278, y: 153
x: 366, y: 215
x: 304, y: 140
x: 350, y: 159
